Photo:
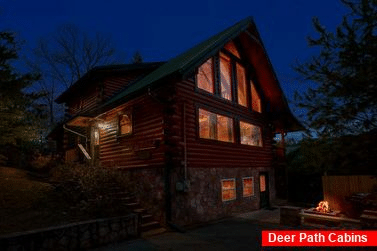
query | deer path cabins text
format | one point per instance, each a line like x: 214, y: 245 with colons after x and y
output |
x: 196, y: 131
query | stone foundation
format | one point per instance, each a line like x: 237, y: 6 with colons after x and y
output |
x: 203, y: 200
x: 77, y: 236
x: 149, y: 190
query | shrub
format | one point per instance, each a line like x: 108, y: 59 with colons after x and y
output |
x: 89, y: 188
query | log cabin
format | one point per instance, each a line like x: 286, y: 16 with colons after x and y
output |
x: 196, y: 132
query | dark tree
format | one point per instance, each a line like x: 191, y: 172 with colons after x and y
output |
x: 65, y: 56
x: 137, y: 58
x: 344, y: 74
x: 20, y: 114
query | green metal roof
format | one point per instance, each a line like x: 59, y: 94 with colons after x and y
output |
x: 186, y: 61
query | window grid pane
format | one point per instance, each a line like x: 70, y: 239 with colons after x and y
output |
x: 225, y: 77
x: 255, y: 98
x: 207, y: 122
x: 125, y: 124
x: 225, y: 129
x: 248, y: 187
x: 205, y: 76
x: 228, y: 189
x: 250, y: 134
x: 241, y: 82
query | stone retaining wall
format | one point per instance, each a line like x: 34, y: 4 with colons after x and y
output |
x: 76, y: 236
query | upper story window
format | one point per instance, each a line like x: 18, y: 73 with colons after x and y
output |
x: 255, y: 98
x: 125, y: 124
x: 241, y: 85
x: 205, y: 77
x: 215, y: 126
x: 250, y: 134
x: 225, y: 77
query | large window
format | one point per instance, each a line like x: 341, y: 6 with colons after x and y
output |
x: 215, y: 126
x: 228, y: 189
x: 205, y: 76
x: 248, y: 186
x: 250, y: 134
x: 241, y: 85
x: 225, y: 77
x: 255, y: 98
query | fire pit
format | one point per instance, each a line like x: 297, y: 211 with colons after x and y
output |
x: 323, y: 217
x: 322, y: 209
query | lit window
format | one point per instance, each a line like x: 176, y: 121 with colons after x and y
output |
x: 205, y: 76
x: 214, y: 126
x: 228, y: 189
x: 255, y: 98
x: 262, y: 183
x: 231, y: 47
x: 241, y: 85
x: 207, y: 124
x: 248, y: 187
x: 224, y: 129
x: 125, y: 124
x: 250, y: 134
x: 225, y: 77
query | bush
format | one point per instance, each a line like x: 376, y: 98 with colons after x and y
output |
x: 89, y: 188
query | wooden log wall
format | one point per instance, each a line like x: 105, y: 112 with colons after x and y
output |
x: 212, y: 153
x: 143, y: 148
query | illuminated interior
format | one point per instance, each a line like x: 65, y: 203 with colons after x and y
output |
x: 250, y: 134
x: 205, y: 76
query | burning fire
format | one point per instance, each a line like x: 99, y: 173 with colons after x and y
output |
x: 323, y: 207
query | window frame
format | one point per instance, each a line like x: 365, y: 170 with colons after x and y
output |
x: 222, y: 189
x: 213, y: 59
x: 216, y: 135
x: 217, y: 86
x: 128, y: 113
x: 250, y: 123
x: 252, y: 186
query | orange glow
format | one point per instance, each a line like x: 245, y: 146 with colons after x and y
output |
x: 231, y: 47
x: 225, y: 78
x: 241, y: 82
x: 262, y: 183
x: 228, y: 189
x: 323, y: 207
x: 255, y: 99
x: 205, y: 76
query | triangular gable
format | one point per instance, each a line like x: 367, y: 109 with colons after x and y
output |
x: 188, y: 61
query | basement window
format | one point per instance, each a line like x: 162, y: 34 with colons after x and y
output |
x: 228, y: 189
x: 248, y: 186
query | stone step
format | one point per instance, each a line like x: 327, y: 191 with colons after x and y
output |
x: 145, y: 218
x: 120, y: 195
x: 153, y: 232
x: 139, y: 210
x: 149, y: 226
x: 132, y: 205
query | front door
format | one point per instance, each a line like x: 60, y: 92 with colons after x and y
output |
x: 263, y: 189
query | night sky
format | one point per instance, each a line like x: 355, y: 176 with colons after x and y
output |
x: 161, y: 30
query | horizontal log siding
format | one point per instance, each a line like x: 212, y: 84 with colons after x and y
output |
x: 124, y: 152
x: 212, y: 153
x: 83, y: 103
x: 113, y: 85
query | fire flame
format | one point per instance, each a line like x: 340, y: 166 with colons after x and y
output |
x: 323, y: 207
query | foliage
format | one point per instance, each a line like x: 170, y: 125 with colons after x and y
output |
x: 65, y: 56
x: 344, y: 72
x: 137, y: 58
x: 20, y: 112
x: 351, y: 154
x: 83, y: 185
